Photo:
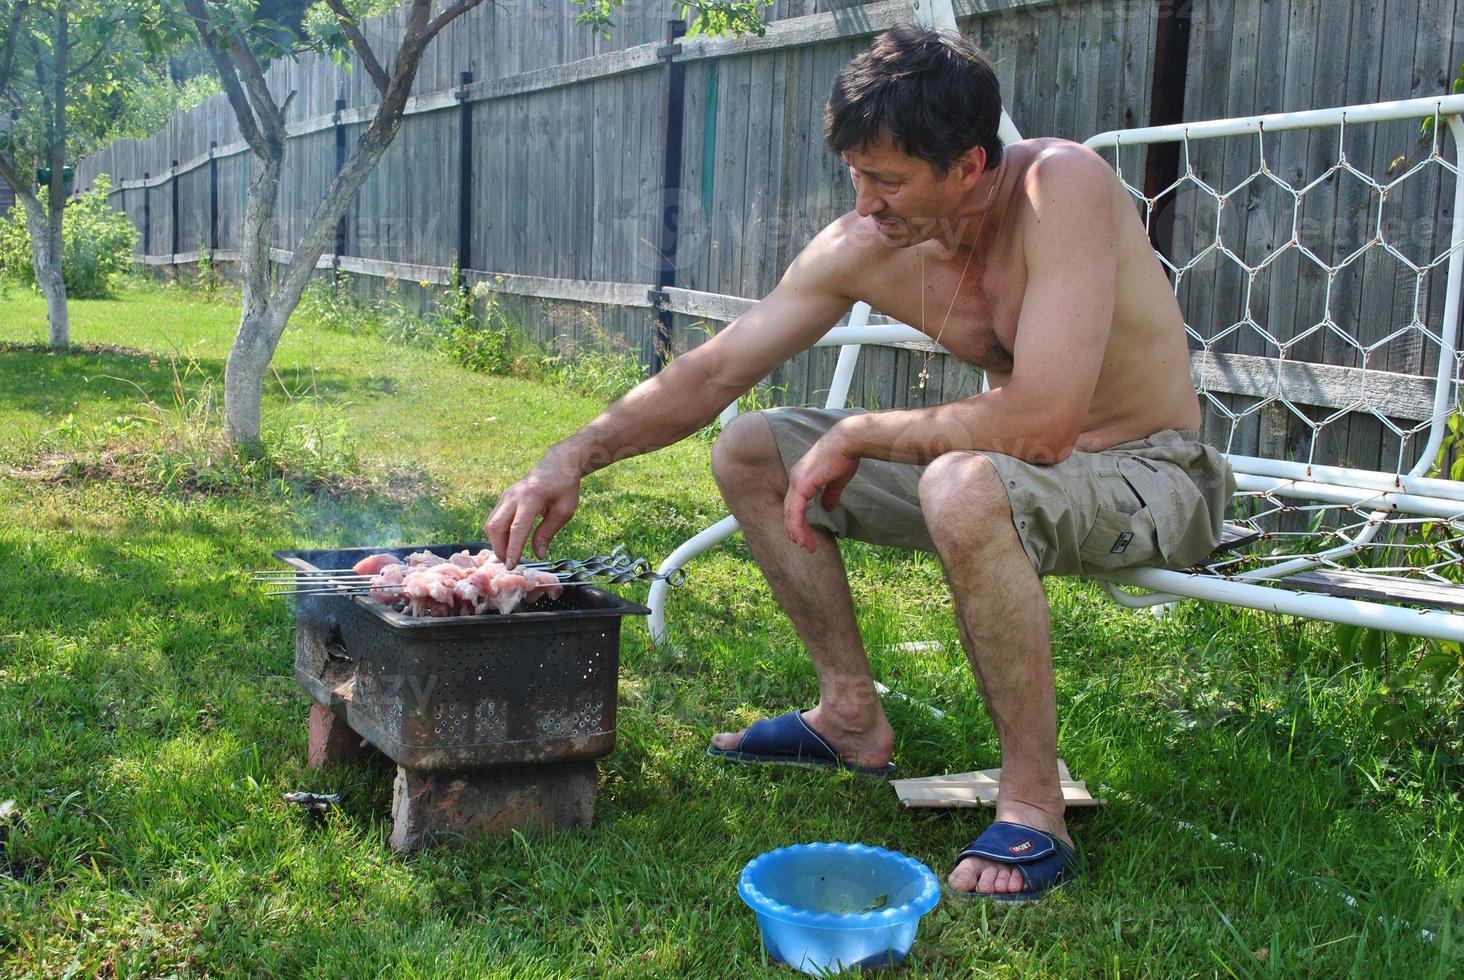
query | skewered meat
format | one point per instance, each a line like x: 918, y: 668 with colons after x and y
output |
x: 542, y: 583
x: 374, y: 564
x: 508, y: 589
x: 424, y: 584
x: 385, y: 584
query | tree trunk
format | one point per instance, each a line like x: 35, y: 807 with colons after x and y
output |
x: 244, y: 381
x: 267, y: 309
x: 254, y: 344
x: 45, y: 236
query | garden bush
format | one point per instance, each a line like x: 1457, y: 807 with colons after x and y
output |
x: 96, y: 244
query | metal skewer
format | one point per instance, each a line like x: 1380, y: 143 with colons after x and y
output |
x: 616, y: 559
x: 640, y: 571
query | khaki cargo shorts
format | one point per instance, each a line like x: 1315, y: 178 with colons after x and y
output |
x: 1158, y: 501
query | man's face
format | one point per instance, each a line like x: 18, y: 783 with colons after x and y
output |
x: 904, y: 195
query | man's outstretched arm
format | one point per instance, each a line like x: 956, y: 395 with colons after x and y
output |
x: 688, y: 394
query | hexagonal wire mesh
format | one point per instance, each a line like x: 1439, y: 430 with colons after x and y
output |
x: 1318, y: 270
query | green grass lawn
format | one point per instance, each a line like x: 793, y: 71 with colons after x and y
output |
x: 150, y: 722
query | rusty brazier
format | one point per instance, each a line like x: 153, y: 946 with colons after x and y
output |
x: 494, y: 721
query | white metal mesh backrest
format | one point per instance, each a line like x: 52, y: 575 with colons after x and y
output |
x: 1311, y: 255
x: 1317, y: 259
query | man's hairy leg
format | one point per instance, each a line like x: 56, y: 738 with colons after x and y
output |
x: 1006, y: 629
x: 812, y: 588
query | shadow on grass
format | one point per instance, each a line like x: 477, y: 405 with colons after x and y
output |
x: 39, y: 381
x: 116, y: 379
x: 329, y: 383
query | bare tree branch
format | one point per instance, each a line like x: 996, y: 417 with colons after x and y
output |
x: 7, y: 60
x: 271, y: 120
x: 41, y: 87
x: 229, y: 78
x: 57, y: 200
x: 404, y: 73
x: 362, y: 46
x: 7, y: 170
x: 449, y: 15
x: 369, y: 148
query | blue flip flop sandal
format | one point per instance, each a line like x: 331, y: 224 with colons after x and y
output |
x: 1045, y: 861
x: 787, y: 740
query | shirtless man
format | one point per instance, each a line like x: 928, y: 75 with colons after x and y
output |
x: 1027, y: 261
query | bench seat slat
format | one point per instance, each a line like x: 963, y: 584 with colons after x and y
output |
x: 1389, y: 588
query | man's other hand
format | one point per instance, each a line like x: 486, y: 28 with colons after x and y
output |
x: 550, y: 491
x: 824, y: 471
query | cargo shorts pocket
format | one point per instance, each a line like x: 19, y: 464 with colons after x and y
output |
x: 1124, y: 533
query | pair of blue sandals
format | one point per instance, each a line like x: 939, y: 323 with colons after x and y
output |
x: 1046, y: 862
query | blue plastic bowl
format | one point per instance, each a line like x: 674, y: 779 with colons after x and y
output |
x: 823, y: 908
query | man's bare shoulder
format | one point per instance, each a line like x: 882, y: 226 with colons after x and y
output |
x: 1062, y: 189
x: 1054, y: 155
x: 1058, y: 169
x: 845, y: 250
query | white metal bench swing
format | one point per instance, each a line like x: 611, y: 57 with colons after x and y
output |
x: 1315, y: 537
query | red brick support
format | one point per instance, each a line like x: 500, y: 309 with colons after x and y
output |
x: 332, y: 740
x: 427, y: 806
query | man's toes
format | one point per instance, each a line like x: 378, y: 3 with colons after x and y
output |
x: 1009, y: 880
x: 728, y: 740
x: 986, y: 878
x: 963, y: 879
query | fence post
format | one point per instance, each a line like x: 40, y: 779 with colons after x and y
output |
x: 340, y: 163
x: 672, y: 105
x: 1166, y: 105
x: 146, y: 215
x: 213, y: 198
x: 176, y: 249
x: 465, y: 178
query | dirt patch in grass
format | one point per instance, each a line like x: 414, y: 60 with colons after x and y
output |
x: 39, y: 347
x: 154, y: 471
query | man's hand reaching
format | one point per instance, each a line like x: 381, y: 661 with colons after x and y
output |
x: 550, y: 491
x: 824, y: 471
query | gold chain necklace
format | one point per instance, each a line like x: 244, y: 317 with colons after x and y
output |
x: 925, y: 368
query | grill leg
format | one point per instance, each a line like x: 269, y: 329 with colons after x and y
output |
x: 427, y: 805
x: 332, y: 740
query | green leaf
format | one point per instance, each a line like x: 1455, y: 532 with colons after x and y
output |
x: 1371, y: 649
x: 1441, y: 666
x: 1347, y: 637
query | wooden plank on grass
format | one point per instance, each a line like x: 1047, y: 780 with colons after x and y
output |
x: 979, y: 789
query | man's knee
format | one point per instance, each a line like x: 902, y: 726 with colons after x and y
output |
x: 745, y: 445
x: 959, y: 492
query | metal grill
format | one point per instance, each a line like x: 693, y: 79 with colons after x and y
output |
x: 465, y: 692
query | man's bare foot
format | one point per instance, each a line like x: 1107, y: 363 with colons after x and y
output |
x: 866, y: 741
x: 976, y: 874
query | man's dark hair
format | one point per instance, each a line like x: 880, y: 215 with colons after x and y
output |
x: 934, y: 93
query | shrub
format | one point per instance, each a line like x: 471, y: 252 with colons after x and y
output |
x: 473, y: 328
x: 479, y: 341
x: 96, y: 244
x: 597, y: 364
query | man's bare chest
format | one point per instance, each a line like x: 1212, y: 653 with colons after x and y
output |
x: 974, y: 316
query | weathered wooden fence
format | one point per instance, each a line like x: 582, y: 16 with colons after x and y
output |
x: 562, y: 193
